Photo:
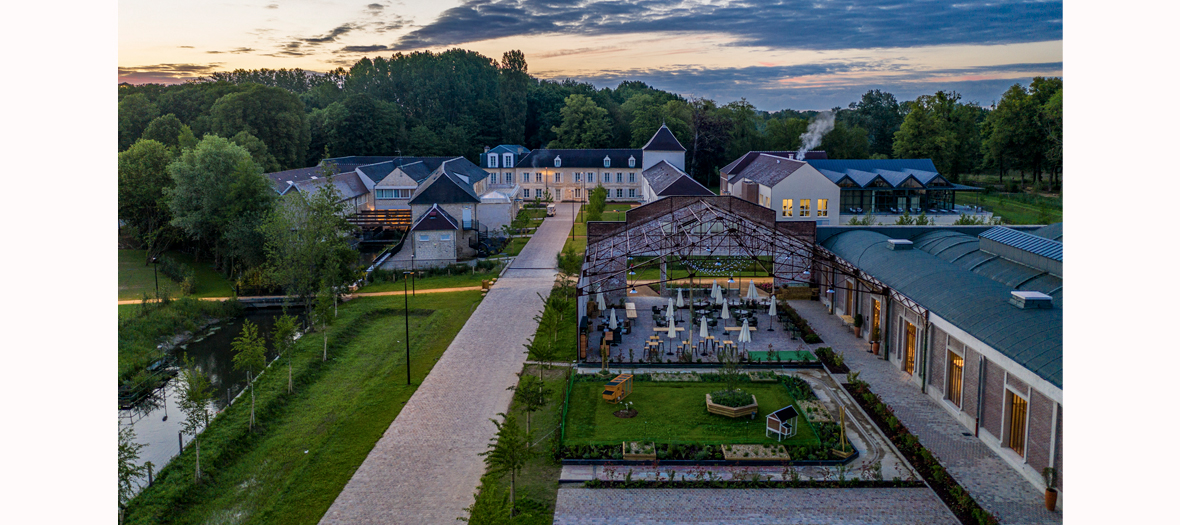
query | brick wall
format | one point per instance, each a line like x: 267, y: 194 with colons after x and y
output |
x: 938, y: 359
x: 993, y: 398
x: 1040, y: 431
x: 1058, y: 461
x: 1018, y: 385
x: 970, y: 380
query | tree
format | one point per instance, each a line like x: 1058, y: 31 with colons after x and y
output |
x: 165, y: 129
x: 135, y: 113
x: 531, y: 392
x: 283, y: 339
x: 322, y: 314
x: 128, y: 470
x: 249, y: 349
x: 880, y: 115
x: 783, y: 134
x: 219, y: 198
x: 272, y: 114
x: 743, y: 125
x: 363, y: 125
x: 1008, y: 132
x: 514, y: 85
x: 844, y: 142
x: 710, y: 133
x: 508, y: 452
x: 143, y: 204
x: 646, y: 112
x: 596, y: 204
x: 195, y: 396
x: 262, y: 158
x: 938, y: 127
x: 584, y: 125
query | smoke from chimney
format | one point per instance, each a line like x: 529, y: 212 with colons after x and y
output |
x: 823, y: 123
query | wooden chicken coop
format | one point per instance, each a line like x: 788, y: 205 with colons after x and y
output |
x: 783, y: 422
x: 617, y: 389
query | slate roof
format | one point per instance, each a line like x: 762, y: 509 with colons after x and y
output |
x: 666, y: 179
x: 581, y: 158
x: 435, y: 219
x: 894, y: 172
x: 976, y: 304
x: 768, y: 170
x: 453, y: 181
x: 738, y: 165
x: 352, y: 162
x: 519, y: 151
x: 349, y: 185
x: 663, y: 140
x: 281, y: 180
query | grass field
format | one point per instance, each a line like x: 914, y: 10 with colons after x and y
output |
x: 135, y: 278
x: 307, y: 445
x: 462, y: 280
x: 1013, y: 211
x: 612, y: 212
x: 673, y: 412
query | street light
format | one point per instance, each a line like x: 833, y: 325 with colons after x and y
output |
x: 407, y: 312
x: 156, y: 276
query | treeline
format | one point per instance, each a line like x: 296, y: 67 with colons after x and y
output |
x: 457, y: 101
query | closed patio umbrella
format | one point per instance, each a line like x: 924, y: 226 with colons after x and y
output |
x: 773, y: 311
x: 671, y: 308
x: 614, y: 322
x: 704, y: 328
x: 601, y: 301
x: 672, y: 328
x: 680, y: 297
x: 725, y: 310
x: 716, y: 293
x: 744, y: 336
x: 753, y: 293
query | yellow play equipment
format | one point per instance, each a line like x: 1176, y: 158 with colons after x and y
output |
x: 617, y: 389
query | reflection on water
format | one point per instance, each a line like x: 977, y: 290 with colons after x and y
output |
x: 158, y: 420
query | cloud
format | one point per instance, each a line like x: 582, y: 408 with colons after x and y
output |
x: 237, y: 51
x: 185, y: 47
x: 375, y: 7
x: 272, y: 6
x: 332, y: 35
x: 364, y: 49
x: 165, y: 73
x: 787, y: 24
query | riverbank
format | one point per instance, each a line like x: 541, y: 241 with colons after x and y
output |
x: 307, y: 445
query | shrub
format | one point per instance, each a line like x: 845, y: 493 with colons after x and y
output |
x: 732, y: 398
x: 182, y: 273
x: 811, y: 338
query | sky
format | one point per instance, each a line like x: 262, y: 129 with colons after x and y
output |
x: 777, y: 55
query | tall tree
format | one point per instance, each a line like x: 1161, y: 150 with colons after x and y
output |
x: 249, y: 349
x: 879, y: 113
x: 272, y: 114
x: 166, y: 130
x: 846, y: 142
x: 363, y: 125
x: 128, y: 470
x: 195, y: 395
x: 514, y: 86
x: 135, y: 113
x: 508, y: 452
x: 646, y: 113
x: 1007, y: 132
x: 744, y: 135
x: 942, y: 129
x: 706, y: 149
x: 584, y: 125
x: 531, y: 393
x: 782, y: 134
x: 262, y: 158
x: 143, y: 185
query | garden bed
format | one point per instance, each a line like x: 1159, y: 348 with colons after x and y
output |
x: 734, y: 412
x: 752, y: 481
x: 756, y: 452
x: 834, y: 361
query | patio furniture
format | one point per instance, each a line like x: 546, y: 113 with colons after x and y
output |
x: 738, y: 329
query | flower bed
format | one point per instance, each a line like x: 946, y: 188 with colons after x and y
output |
x: 756, y: 452
x: 834, y: 361
x: 809, y: 334
x: 735, y: 398
x: 962, y: 504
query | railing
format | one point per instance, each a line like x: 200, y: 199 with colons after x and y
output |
x: 396, y: 219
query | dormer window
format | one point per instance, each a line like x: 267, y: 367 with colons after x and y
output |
x: 492, y: 160
x: 631, y: 162
x: 606, y: 162
x: 557, y: 161
x: 507, y: 160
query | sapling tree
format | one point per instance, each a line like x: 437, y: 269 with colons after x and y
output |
x: 323, y: 314
x: 249, y: 349
x: 195, y: 395
x: 128, y: 471
x: 283, y: 338
x: 508, y: 452
x: 531, y: 392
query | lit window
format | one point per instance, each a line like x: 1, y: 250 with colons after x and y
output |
x: 631, y: 192
x: 804, y: 207
x: 788, y: 207
x: 557, y: 161
x: 507, y: 160
x: 444, y: 236
x: 557, y: 177
x: 606, y: 162
x: 619, y: 192
x: 821, y: 208
x: 423, y: 237
x: 492, y: 160
x: 954, y: 379
x: 631, y: 176
x: 526, y: 193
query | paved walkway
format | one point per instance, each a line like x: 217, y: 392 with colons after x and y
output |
x: 995, y: 485
x: 578, y: 506
x: 426, y: 467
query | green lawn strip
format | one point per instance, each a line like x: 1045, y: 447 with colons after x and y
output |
x: 515, y: 246
x: 143, y: 327
x: 136, y: 278
x: 565, y: 339
x: 210, y: 283
x: 339, y: 411
x: 458, y: 280
x: 1015, y: 212
x: 783, y: 355
x: 673, y: 413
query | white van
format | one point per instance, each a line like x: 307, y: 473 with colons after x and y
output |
x: 551, y: 210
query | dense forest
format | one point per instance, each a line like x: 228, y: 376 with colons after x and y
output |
x: 192, y: 155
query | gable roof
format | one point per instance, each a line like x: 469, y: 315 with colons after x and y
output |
x: 519, y: 151
x: 349, y: 185
x: 768, y: 170
x: 281, y: 181
x: 581, y: 158
x: 894, y: 172
x: 666, y: 179
x: 738, y: 165
x: 976, y: 304
x: 435, y: 219
x: 452, y: 182
x: 663, y: 140
x: 784, y: 413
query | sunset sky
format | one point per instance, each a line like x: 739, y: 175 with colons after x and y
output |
x: 799, y: 55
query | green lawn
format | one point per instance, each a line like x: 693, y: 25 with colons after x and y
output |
x: 307, y: 445
x: 782, y: 355
x: 612, y: 212
x: 673, y: 412
x: 565, y: 340
x: 515, y: 246
x: 136, y: 278
x: 462, y: 280
x: 1014, y: 211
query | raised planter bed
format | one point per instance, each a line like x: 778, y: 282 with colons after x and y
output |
x: 734, y: 412
x: 755, y: 453
x: 636, y: 451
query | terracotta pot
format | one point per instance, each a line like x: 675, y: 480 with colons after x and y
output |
x: 856, y: 331
x: 1051, y: 499
x: 876, y: 347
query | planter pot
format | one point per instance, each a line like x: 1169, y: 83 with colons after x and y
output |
x: 876, y: 347
x: 856, y: 331
x: 1051, y: 499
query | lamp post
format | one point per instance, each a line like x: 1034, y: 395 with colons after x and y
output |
x: 413, y: 272
x: 156, y: 276
x: 407, y: 316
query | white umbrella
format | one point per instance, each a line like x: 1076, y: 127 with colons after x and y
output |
x: 614, y: 322
x: 744, y: 336
x: 672, y: 328
x: 601, y: 303
x: 753, y: 293
x: 773, y: 311
x: 704, y: 328
x: 680, y: 297
x: 716, y: 293
x: 725, y: 310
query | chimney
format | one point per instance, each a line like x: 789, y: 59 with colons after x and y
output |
x: 485, y: 149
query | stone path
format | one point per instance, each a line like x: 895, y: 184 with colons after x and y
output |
x: 426, y: 467
x: 578, y: 506
x: 995, y: 485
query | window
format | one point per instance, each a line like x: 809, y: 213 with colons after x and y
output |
x: 821, y: 208
x: 804, y: 207
x: 631, y: 192
x: 590, y: 177
x: 492, y: 157
x: 577, y: 176
x: 557, y: 161
x: 495, y: 177
x: 631, y: 163
x: 1017, y: 412
x: 557, y: 177
x: 508, y: 178
x: 526, y: 193
x: 393, y: 194
x: 954, y: 378
x: 788, y: 207
x: 423, y: 237
x: 911, y: 339
x: 557, y: 194
x: 631, y: 177
x: 606, y: 162
x: 618, y: 177
x: 619, y: 193
x: 577, y: 193
x: 526, y: 177
x: 507, y: 160
x: 444, y: 236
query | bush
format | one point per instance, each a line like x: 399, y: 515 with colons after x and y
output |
x: 811, y: 338
x: 732, y: 398
x: 182, y: 273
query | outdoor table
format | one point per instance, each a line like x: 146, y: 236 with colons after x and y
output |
x: 665, y: 329
x: 632, y: 314
x: 738, y: 329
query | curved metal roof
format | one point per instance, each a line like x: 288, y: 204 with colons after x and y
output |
x: 976, y: 304
x: 963, y: 251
